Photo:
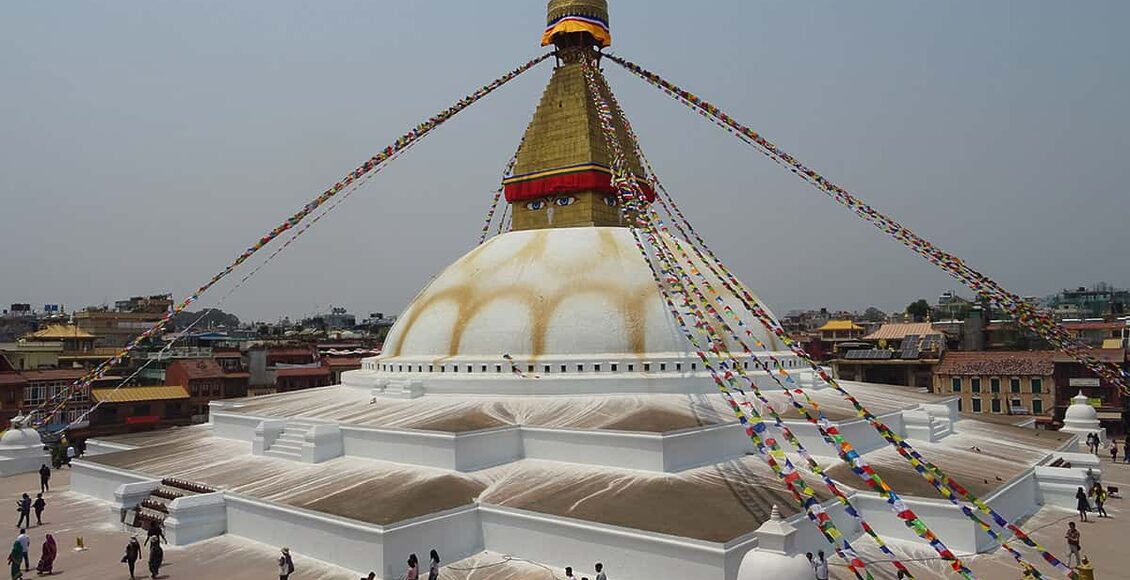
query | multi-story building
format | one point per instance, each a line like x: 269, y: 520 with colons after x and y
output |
x: 999, y: 382
x: 205, y: 380
x: 128, y: 319
x: 134, y: 408
x: 49, y: 384
x: 896, y: 354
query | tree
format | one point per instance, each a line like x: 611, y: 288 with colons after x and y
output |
x: 918, y: 310
x: 873, y: 314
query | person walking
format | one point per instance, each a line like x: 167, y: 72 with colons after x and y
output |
x: 1100, y: 498
x: 24, y: 507
x: 44, y: 478
x: 286, y: 564
x: 132, y: 553
x: 433, y: 565
x: 1072, y: 536
x: 71, y: 453
x: 47, y: 559
x: 820, y: 567
x: 600, y: 572
x: 38, y: 506
x: 1082, y: 504
x: 413, y: 572
x: 569, y: 573
x: 156, y: 557
x: 14, y: 559
x: 1114, y: 451
x: 25, y: 544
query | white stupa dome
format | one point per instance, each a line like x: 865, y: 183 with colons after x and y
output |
x: 1081, y: 411
x: 542, y: 294
x: 21, y: 438
x: 568, y: 305
x: 759, y: 564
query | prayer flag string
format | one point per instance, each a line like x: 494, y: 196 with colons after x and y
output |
x: 1029, y: 315
x: 768, y: 448
x: 46, y: 410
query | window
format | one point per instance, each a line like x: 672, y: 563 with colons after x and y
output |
x: 498, y: 368
x: 580, y: 368
x: 1014, y: 384
x: 996, y: 405
x: 678, y: 366
x: 959, y: 405
x: 975, y: 386
x: 564, y: 369
x: 35, y: 394
x: 647, y: 367
x: 956, y: 384
x: 1037, y: 385
x: 470, y: 368
x: 662, y: 366
x: 1037, y: 407
x: 545, y: 369
x: 976, y: 405
x: 614, y: 367
x: 484, y: 368
x: 994, y: 385
x: 631, y: 368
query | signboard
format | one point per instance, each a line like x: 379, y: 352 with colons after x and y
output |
x: 1083, y: 382
x: 143, y: 420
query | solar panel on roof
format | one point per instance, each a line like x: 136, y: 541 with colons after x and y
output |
x: 911, y: 346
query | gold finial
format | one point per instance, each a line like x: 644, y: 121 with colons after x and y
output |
x: 577, y: 16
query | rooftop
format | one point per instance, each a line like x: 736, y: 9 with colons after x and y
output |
x: 900, y: 330
x: 139, y: 394
x: 59, y: 332
x: 840, y: 325
x: 997, y: 363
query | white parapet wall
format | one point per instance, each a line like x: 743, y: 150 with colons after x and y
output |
x: 196, y: 517
x: 351, y: 544
x: 626, y: 553
x: 101, y: 481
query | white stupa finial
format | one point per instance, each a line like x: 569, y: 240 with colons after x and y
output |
x: 775, y: 514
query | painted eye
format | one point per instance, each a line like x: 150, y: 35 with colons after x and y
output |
x: 611, y: 201
x: 564, y: 201
x: 536, y: 204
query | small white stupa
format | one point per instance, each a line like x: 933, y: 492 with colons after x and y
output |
x: 1082, y: 419
x: 21, y: 448
x: 776, y: 554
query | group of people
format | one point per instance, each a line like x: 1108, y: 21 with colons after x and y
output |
x: 20, y: 556
x: 413, y: 572
x: 19, y: 559
x: 155, y: 536
x: 599, y: 573
x: 1094, y: 442
x: 819, y: 565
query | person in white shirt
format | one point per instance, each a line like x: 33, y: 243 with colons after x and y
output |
x: 820, y: 566
x: 600, y: 572
x: 25, y: 541
x: 70, y: 454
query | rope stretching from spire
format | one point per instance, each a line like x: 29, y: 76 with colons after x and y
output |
x: 46, y: 410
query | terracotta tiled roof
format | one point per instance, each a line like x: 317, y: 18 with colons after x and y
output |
x: 1094, y: 325
x: 138, y: 394
x: 840, y: 325
x: 1002, y: 363
x: 200, y: 368
x: 899, y: 331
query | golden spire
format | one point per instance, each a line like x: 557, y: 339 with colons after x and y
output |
x: 562, y: 176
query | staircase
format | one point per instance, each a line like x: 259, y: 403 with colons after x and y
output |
x: 288, y: 445
x: 155, y: 508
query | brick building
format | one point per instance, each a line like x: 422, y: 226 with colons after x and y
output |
x: 999, y: 382
x: 132, y: 409
x: 205, y: 380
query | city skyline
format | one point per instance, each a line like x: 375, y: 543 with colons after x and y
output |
x: 135, y: 171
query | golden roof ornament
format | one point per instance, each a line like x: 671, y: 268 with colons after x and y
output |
x: 577, y: 17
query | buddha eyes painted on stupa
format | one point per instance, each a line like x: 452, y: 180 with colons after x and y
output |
x: 544, y: 202
x: 611, y: 201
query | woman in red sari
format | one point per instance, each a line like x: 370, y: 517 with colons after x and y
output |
x: 47, y: 560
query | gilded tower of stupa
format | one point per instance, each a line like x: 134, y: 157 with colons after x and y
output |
x: 563, y: 173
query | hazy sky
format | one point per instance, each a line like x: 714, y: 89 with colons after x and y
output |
x: 143, y: 145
